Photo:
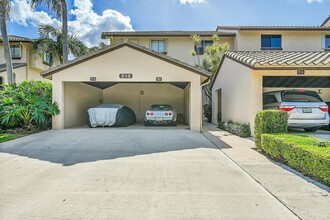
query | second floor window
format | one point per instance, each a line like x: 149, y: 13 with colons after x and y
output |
x: 15, y: 51
x: 204, y: 43
x: 47, y: 59
x: 158, y: 46
x: 327, y: 42
x: 271, y: 42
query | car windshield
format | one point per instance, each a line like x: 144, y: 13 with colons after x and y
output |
x: 161, y: 107
x: 301, y: 96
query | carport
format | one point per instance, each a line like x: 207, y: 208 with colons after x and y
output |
x: 129, y: 74
x: 242, y: 77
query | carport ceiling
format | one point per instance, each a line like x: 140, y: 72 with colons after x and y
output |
x: 105, y: 85
x: 297, y: 81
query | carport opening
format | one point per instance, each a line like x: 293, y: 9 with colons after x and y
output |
x: 139, y: 96
x: 320, y: 84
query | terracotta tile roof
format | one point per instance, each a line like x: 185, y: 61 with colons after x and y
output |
x: 14, y: 38
x: 280, y: 28
x: 163, y: 33
x: 15, y: 65
x: 257, y: 59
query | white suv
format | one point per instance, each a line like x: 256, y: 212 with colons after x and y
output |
x: 306, y: 108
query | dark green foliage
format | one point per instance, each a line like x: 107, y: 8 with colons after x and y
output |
x: 242, y: 130
x: 28, y: 104
x: 270, y: 122
x: 301, y: 153
x: 207, y: 110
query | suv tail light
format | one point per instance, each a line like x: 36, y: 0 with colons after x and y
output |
x: 286, y: 108
x: 324, y: 108
x: 166, y: 114
x: 151, y: 113
x: 170, y: 114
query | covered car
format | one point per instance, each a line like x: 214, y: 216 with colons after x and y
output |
x: 106, y: 115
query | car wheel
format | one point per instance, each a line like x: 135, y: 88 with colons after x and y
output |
x: 146, y: 123
x: 174, y: 123
x: 310, y: 129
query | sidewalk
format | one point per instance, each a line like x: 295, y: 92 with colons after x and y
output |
x: 306, y: 198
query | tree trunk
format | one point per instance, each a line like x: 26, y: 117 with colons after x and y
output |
x: 6, y: 46
x: 65, y: 31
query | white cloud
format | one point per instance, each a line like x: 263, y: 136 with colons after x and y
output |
x: 319, y: 1
x: 22, y: 13
x: 87, y: 25
x: 184, y: 2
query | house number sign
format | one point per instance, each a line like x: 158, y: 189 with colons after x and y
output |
x: 126, y: 75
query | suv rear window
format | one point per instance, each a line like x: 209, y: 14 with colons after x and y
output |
x: 301, y: 96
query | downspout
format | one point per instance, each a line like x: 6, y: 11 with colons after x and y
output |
x: 203, y: 84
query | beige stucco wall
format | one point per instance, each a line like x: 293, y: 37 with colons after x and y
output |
x: 236, y: 82
x: 291, y: 40
x: 78, y: 98
x: 177, y: 47
x: 242, y: 90
x: 160, y: 93
x: 29, y: 72
x: 127, y: 60
x: 186, y: 104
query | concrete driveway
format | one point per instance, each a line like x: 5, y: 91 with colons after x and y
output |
x: 127, y: 174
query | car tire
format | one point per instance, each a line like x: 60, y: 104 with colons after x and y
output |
x: 146, y: 123
x: 174, y: 123
x: 310, y: 129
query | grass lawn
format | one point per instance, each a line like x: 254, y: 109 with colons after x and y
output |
x: 8, y: 137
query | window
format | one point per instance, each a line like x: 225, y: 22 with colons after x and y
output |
x: 47, y: 58
x: 15, y: 51
x: 268, y: 99
x: 204, y: 43
x: 159, y: 46
x: 1, y: 82
x: 271, y: 42
x: 327, y: 42
x: 301, y: 96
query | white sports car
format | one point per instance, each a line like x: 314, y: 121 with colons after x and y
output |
x: 160, y: 115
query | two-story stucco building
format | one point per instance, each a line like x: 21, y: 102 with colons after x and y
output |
x: 162, y: 70
x: 26, y: 64
x: 269, y: 58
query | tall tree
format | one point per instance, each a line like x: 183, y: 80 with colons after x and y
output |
x: 50, y: 43
x: 212, y: 57
x: 4, y: 15
x: 59, y: 7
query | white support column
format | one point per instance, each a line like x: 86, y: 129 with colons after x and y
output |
x: 58, y: 96
x: 195, y: 116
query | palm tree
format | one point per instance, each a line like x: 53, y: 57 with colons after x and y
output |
x: 59, y: 7
x: 4, y: 15
x: 50, y: 42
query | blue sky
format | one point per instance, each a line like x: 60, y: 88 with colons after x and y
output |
x: 88, y: 18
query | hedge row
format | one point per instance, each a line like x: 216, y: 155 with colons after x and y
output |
x: 270, y: 122
x: 300, y: 152
x: 242, y: 130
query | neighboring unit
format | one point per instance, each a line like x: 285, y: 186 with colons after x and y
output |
x: 26, y: 64
x: 176, y: 44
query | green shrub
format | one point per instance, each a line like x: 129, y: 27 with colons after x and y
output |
x: 207, y: 110
x: 270, y: 122
x: 301, y: 153
x: 28, y: 104
x: 242, y: 130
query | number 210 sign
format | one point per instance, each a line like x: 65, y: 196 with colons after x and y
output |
x: 126, y: 75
